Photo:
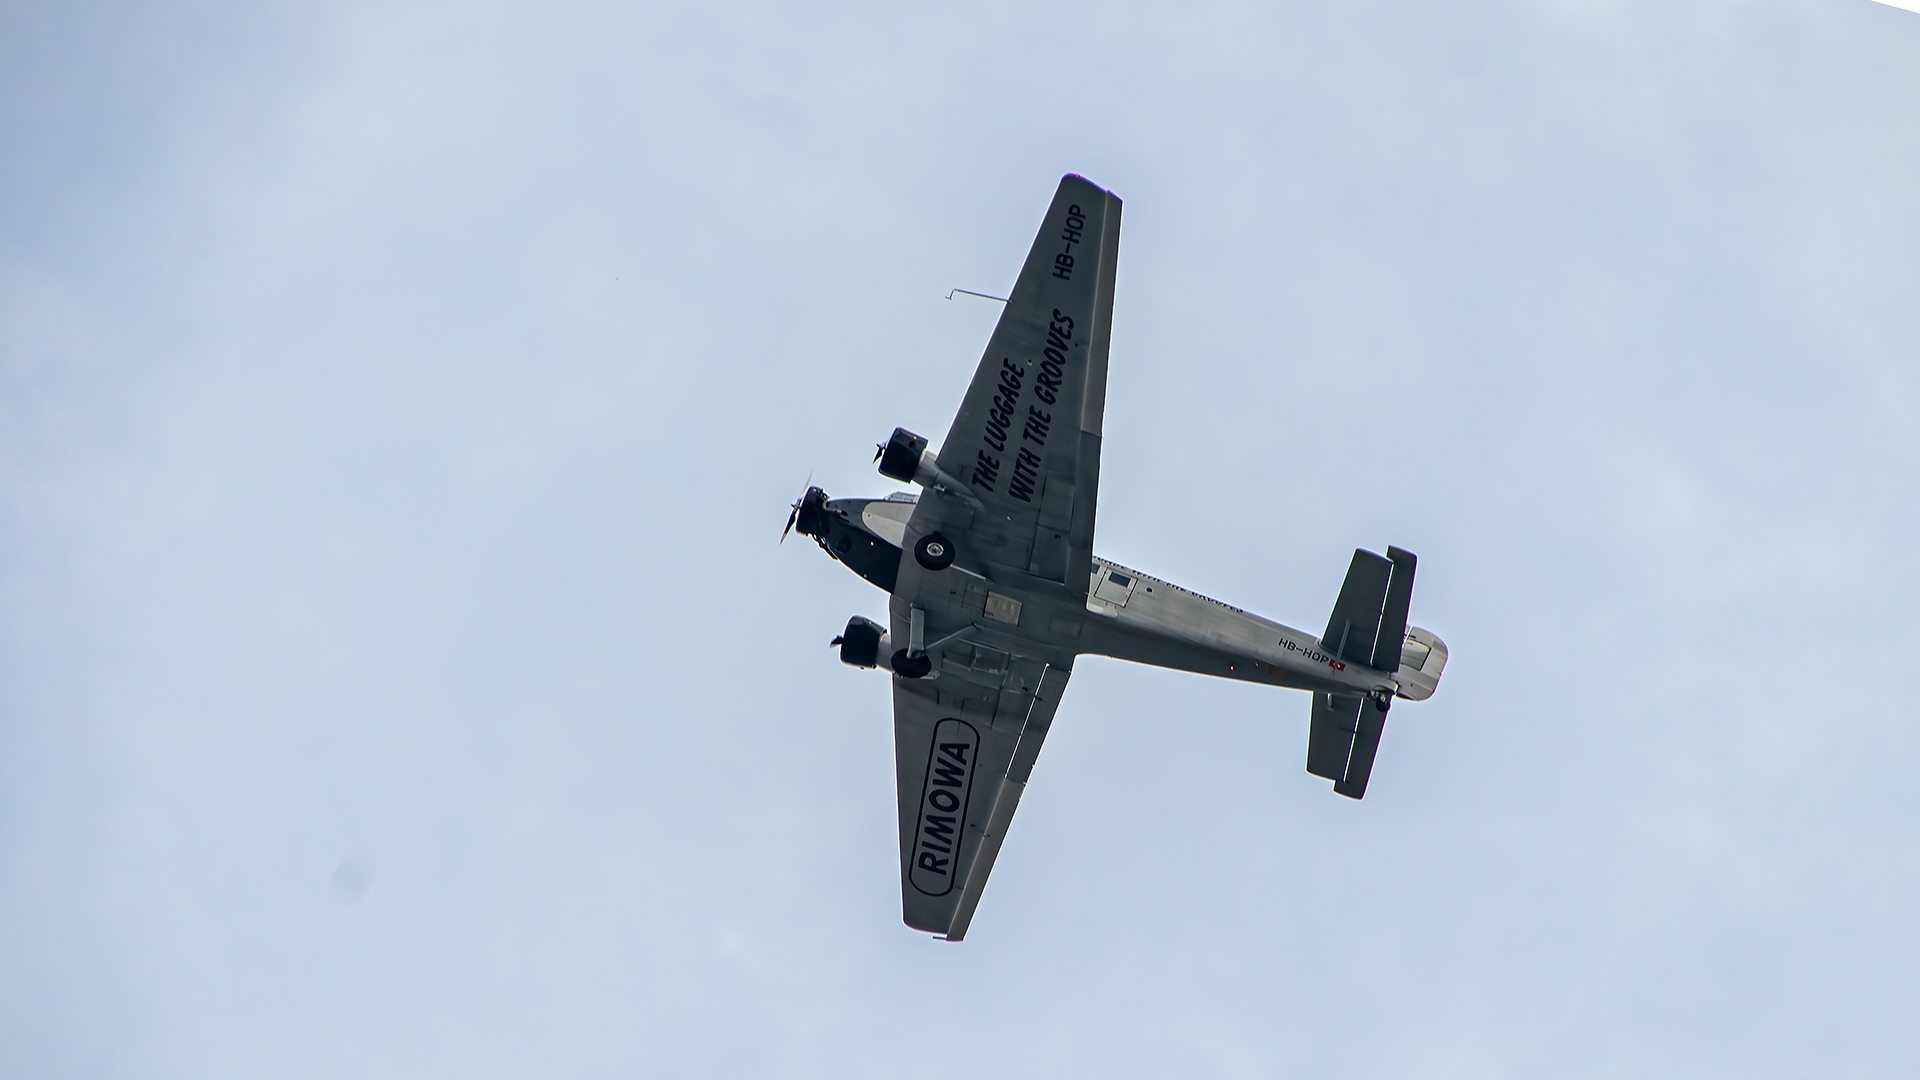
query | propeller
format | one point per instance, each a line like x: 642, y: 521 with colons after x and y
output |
x: 879, y: 449
x: 795, y: 516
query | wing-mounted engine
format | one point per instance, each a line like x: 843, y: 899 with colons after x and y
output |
x: 864, y: 643
x: 867, y: 644
x: 904, y: 456
x: 900, y: 455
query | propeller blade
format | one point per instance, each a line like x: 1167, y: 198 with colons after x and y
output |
x: 878, y: 450
x: 795, y: 516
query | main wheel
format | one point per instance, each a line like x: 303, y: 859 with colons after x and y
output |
x: 911, y: 667
x: 934, y: 551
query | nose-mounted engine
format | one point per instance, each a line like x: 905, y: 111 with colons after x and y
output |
x: 865, y: 535
x: 809, y: 515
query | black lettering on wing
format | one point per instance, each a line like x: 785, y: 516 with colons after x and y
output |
x: 1026, y: 474
x: 1038, y: 421
x: 1002, y: 408
x: 986, y: 469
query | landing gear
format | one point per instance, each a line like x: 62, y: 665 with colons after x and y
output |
x: 934, y: 551
x: 1382, y: 700
x: 911, y: 667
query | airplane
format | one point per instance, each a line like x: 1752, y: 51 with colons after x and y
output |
x: 1002, y: 590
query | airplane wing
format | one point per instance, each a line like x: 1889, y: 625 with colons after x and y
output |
x: 1022, y: 464
x: 1026, y: 442
x: 964, y: 746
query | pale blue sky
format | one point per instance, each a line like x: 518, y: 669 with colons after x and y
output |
x: 399, y: 404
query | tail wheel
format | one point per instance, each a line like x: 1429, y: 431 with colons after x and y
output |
x: 934, y: 551
x: 911, y: 667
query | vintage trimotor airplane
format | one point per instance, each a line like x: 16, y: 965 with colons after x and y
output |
x: 1003, y: 590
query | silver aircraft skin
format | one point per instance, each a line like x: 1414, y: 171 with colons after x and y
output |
x: 995, y: 587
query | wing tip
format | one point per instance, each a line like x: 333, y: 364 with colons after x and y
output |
x: 1072, y: 176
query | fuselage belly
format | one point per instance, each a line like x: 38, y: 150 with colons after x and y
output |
x: 1126, y: 615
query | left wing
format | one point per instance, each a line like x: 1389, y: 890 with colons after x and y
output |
x: 964, y: 745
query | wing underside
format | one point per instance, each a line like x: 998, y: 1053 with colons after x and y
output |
x: 1023, y: 456
x: 1026, y: 441
x: 962, y: 755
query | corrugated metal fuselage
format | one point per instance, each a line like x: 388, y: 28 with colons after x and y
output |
x: 1125, y: 614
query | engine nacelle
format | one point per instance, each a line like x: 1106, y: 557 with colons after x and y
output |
x: 900, y: 458
x: 865, y: 644
x: 905, y: 457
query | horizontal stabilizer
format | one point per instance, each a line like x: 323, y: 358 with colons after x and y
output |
x: 1342, y: 738
x: 1336, y: 719
x: 1369, y: 621
x: 1366, y: 743
x: 1356, y: 615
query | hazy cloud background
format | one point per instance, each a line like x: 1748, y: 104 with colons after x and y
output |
x: 399, y: 404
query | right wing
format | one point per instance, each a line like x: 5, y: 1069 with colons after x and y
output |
x: 964, y: 746
x: 1026, y: 441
